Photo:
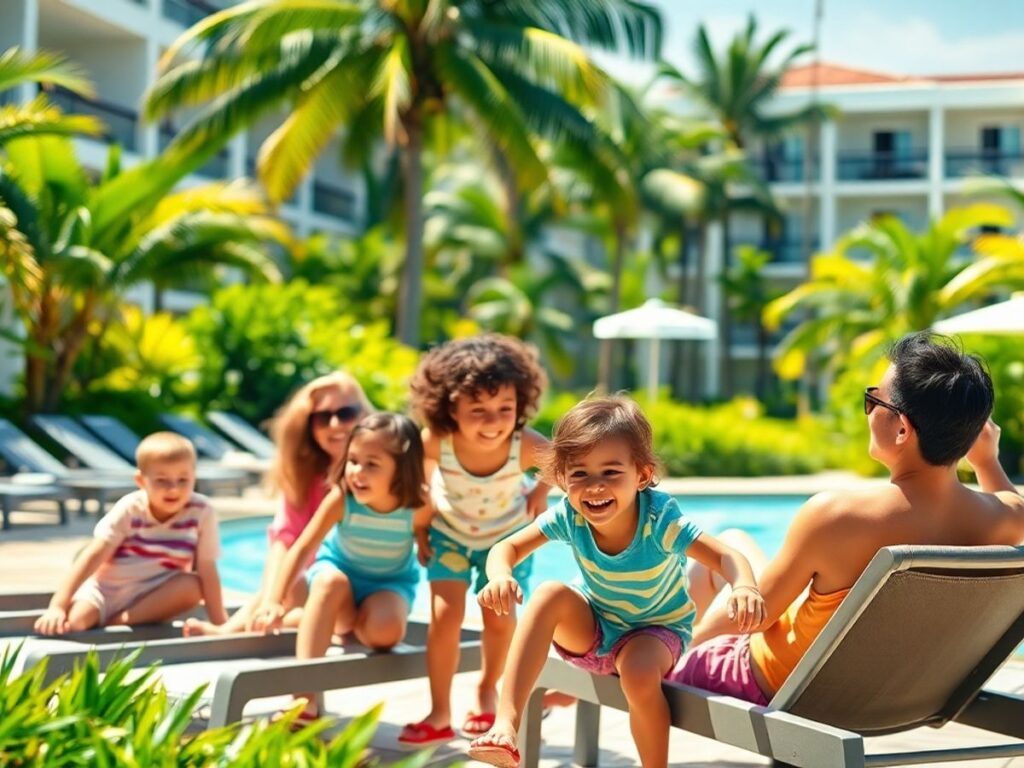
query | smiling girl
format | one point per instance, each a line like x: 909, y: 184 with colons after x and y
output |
x: 633, y: 616
x: 475, y: 396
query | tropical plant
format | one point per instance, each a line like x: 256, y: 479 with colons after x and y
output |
x: 80, y: 245
x: 855, y: 306
x: 125, y: 717
x: 39, y: 116
x: 748, y: 293
x: 388, y: 69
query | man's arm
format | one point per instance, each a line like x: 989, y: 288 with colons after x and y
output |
x: 984, y: 460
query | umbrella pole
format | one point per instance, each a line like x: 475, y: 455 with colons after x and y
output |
x: 652, y: 370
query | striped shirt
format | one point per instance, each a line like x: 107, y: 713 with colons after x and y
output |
x: 479, y: 510
x: 147, y: 548
x: 371, y: 544
x: 645, y: 585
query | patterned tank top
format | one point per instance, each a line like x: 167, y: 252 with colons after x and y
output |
x: 372, y: 544
x: 474, y: 510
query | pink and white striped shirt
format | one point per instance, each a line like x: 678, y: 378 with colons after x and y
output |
x: 148, y: 548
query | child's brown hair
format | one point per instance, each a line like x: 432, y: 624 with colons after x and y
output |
x: 163, y: 446
x: 402, y: 440
x: 591, y: 422
x: 467, y: 367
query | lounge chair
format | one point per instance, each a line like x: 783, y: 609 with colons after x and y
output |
x: 911, y: 645
x: 13, y: 494
x: 123, y: 442
x: 211, y: 445
x: 23, y: 455
x: 243, y: 433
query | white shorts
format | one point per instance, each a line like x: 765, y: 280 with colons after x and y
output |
x: 111, y: 599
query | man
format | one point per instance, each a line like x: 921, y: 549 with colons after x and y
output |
x: 930, y: 409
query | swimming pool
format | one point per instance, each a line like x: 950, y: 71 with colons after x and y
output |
x: 765, y: 518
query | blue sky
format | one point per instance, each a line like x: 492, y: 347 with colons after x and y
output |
x: 898, y: 36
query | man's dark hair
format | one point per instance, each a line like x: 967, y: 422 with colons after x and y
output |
x: 944, y: 392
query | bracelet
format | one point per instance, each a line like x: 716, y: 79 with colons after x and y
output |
x: 750, y: 587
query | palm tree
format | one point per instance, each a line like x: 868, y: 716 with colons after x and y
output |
x: 73, y: 246
x: 387, y: 69
x: 856, y: 307
x: 39, y: 117
x: 735, y: 86
x: 748, y: 294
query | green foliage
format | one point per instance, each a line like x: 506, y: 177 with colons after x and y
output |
x: 123, y: 717
x: 259, y: 343
x: 730, y: 440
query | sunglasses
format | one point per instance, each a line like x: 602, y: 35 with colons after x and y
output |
x: 346, y: 414
x: 871, y: 400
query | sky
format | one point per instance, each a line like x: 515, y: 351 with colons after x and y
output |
x: 897, y: 36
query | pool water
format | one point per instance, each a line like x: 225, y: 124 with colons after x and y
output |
x: 765, y: 518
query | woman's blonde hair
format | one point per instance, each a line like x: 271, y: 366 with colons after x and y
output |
x: 299, y: 460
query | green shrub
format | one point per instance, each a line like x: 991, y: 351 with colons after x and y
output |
x: 120, y: 718
x: 733, y: 439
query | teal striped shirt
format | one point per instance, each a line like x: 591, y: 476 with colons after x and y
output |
x: 644, y: 585
x: 372, y: 544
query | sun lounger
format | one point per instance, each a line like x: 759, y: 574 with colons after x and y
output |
x: 911, y: 645
x: 211, y: 445
x: 123, y: 442
x: 23, y: 455
x: 243, y: 433
x: 13, y: 494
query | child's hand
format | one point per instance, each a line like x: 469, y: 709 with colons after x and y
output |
x: 501, y: 595
x: 423, y: 549
x: 54, y: 621
x: 267, y: 618
x: 746, y: 607
x: 537, y: 500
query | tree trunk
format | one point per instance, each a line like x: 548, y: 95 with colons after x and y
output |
x: 511, y: 207
x: 761, y: 382
x: 700, y: 243
x: 604, y: 359
x: 407, y: 321
x: 725, y: 326
x: 680, y: 350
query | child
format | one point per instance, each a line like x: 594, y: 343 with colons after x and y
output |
x: 633, y: 616
x: 139, y: 567
x: 310, y: 432
x: 365, y: 574
x: 475, y: 396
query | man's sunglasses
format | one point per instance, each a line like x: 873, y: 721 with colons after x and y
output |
x: 345, y: 414
x: 871, y: 400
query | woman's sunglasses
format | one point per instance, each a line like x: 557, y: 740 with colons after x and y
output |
x: 871, y: 400
x: 346, y: 414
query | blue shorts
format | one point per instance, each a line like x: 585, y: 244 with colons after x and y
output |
x: 453, y: 561
x: 363, y: 585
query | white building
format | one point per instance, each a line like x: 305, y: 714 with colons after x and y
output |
x: 899, y: 145
x: 118, y: 44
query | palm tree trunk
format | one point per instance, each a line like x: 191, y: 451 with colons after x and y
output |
x: 407, y: 321
x: 680, y: 349
x: 761, y: 381
x: 726, y: 318
x: 604, y: 359
x: 511, y: 205
x: 700, y: 242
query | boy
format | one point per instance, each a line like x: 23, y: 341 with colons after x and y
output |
x: 139, y: 567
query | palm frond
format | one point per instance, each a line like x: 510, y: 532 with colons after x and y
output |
x: 17, y: 67
x: 40, y: 118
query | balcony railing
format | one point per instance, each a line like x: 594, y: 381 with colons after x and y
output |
x: 188, y: 12
x: 790, y: 250
x: 971, y: 161
x: 334, y: 201
x: 215, y: 167
x: 853, y: 166
x: 9, y: 96
x: 121, y: 123
x: 776, y: 169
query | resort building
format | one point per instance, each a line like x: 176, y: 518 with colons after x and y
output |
x: 900, y: 145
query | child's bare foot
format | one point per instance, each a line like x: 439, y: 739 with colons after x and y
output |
x: 497, y: 747
x: 481, y: 720
x: 199, y: 628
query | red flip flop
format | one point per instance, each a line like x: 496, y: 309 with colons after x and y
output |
x: 500, y: 755
x: 481, y: 723
x: 424, y: 734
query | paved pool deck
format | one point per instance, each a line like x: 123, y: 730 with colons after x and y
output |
x: 35, y: 553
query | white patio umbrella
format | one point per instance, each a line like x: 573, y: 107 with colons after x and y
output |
x: 655, y: 320
x: 1006, y: 317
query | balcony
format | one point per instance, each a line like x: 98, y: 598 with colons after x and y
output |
x: 333, y: 200
x: 216, y: 167
x: 120, y: 122
x: 782, y: 169
x: 975, y: 161
x: 789, y: 250
x: 9, y: 96
x: 187, y: 12
x: 863, y: 166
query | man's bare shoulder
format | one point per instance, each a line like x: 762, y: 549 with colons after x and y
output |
x: 852, y: 505
x: 1008, y: 509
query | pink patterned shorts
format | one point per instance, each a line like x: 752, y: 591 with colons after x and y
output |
x: 604, y: 664
x: 721, y: 665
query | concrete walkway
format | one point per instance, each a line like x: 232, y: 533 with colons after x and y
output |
x: 34, y: 556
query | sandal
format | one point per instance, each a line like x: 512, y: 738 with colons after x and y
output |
x: 501, y: 755
x: 477, y: 724
x: 424, y: 734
